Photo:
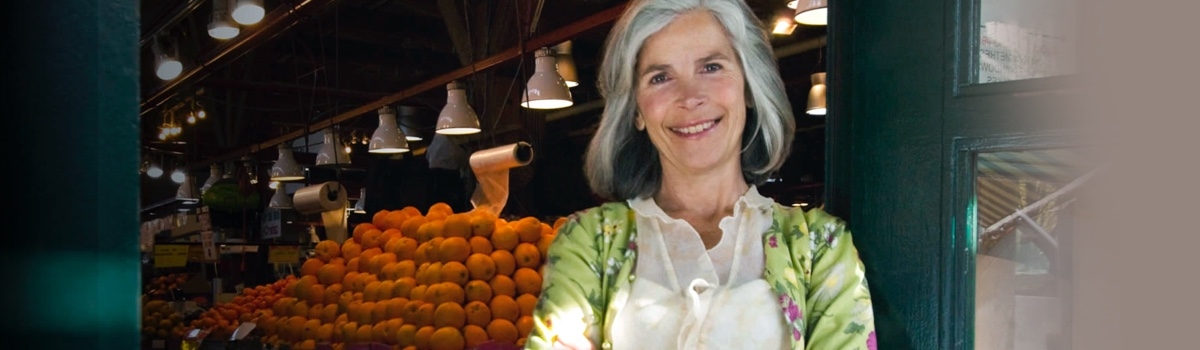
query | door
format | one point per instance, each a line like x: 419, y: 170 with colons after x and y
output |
x: 920, y: 92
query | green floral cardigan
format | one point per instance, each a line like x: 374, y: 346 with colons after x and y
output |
x: 811, y: 264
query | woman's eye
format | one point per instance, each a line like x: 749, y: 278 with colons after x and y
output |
x: 712, y: 67
x: 658, y: 78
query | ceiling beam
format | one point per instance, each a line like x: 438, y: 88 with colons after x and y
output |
x: 183, y: 10
x: 262, y: 86
x: 549, y: 39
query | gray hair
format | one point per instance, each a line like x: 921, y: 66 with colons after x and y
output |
x: 770, y: 126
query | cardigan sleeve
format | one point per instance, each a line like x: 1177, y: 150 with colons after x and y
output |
x: 839, y: 314
x: 572, y: 302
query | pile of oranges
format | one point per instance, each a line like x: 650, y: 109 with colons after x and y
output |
x: 433, y: 280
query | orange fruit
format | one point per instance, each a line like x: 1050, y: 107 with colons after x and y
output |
x: 406, y: 335
x: 424, y: 316
x: 505, y: 238
x: 454, y: 249
x: 327, y: 250
x: 529, y: 229
x: 389, y: 331
x: 332, y: 292
x: 434, y: 273
x: 434, y: 252
x: 367, y: 255
x: 446, y: 338
x: 437, y: 216
x: 349, y: 279
x: 394, y: 219
x: 403, y: 287
x: 455, y: 272
x: 412, y: 225
x: 543, y: 245
x: 474, y: 335
x: 395, y: 308
x: 330, y: 273
x: 388, y: 272
x: 421, y: 254
x: 349, y: 331
x: 505, y: 307
x: 478, y: 313
x: 503, y: 331
x: 558, y: 223
x: 406, y: 268
x: 481, y: 267
x: 411, y: 308
x: 311, y: 267
x: 364, y: 333
x: 457, y: 225
x: 379, y: 332
x: 524, y: 326
x: 440, y: 207
x: 503, y: 285
x: 379, y: 218
x: 527, y: 302
x: 477, y: 290
x: 449, y: 315
x: 451, y: 292
x: 482, y: 225
x: 351, y: 250
x: 429, y: 230
x: 528, y: 281
x: 405, y: 248
x: 352, y: 265
x: 505, y: 262
x: 418, y: 292
x: 325, y: 333
x: 370, y: 239
x: 480, y: 245
x: 381, y: 260
x: 307, y: 344
x: 360, y: 229
x: 385, y: 290
x: 412, y: 211
x: 527, y: 255
x: 316, y: 294
x: 329, y: 313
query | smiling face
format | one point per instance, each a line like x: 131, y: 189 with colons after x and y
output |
x: 691, y: 96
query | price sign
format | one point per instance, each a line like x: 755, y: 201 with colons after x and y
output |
x: 195, y: 253
x: 170, y: 255
x: 283, y: 254
x: 209, y: 246
x: 203, y: 216
x: 271, y: 223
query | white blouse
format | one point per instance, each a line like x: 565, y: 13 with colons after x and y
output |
x: 689, y: 297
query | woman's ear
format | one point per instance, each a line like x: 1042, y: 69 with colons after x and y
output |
x: 639, y: 123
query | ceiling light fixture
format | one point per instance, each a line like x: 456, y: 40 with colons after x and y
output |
x: 812, y: 12
x: 154, y: 171
x: 406, y: 120
x: 387, y: 137
x: 457, y: 118
x: 214, y: 174
x: 178, y: 176
x: 166, y: 64
x: 281, y: 200
x: 546, y: 89
x: 285, y: 167
x: 359, y: 207
x: 816, y: 95
x: 248, y: 11
x: 219, y: 25
x: 330, y: 154
x: 566, y: 64
x: 187, y: 190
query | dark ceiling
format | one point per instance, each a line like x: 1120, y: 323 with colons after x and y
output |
x: 313, y: 63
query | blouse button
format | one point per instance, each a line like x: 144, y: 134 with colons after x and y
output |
x: 632, y: 277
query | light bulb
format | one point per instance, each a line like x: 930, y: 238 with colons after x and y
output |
x: 201, y: 114
x: 191, y: 119
x: 162, y: 136
x: 348, y: 150
x: 248, y: 11
x: 155, y: 171
x: 177, y: 176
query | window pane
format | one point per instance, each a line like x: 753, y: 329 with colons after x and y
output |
x: 1025, y: 39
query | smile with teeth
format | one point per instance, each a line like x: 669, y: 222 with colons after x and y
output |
x: 695, y: 129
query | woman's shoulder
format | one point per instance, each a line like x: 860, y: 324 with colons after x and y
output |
x: 608, y: 210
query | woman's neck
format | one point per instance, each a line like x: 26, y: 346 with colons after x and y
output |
x: 702, y: 201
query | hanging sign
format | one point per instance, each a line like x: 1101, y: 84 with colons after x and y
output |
x: 283, y: 254
x: 204, y: 218
x: 170, y: 255
x: 209, y: 246
x: 271, y: 227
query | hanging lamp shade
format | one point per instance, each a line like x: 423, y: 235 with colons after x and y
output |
x: 286, y: 168
x: 546, y: 88
x: 408, y: 122
x: 281, y: 199
x: 457, y: 118
x: 166, y: 64
x: 812, y: 12
x: 816, y: 95
x: 330, y: 154
x: 214, y: 174
x: 220, y: 25
x: 387, y: 137
x: 187, y: 190
x: 248, y: 11
x: 360, y: 206
x: 565, y: 62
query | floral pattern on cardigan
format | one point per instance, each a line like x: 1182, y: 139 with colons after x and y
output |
x: 811, y: 263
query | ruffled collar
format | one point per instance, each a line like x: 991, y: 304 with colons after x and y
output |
x: 647, y: 207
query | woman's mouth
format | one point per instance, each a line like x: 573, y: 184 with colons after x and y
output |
x: 696, y: 128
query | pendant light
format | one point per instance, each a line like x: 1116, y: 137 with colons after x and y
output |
x: 154, y: 170
x: 566, y: 64
x: 248, y: 11
x: 166, y: 64
x: 457, y: 118
x: 220, y: 26
x: 408, y: 121
x: 187, y: 190
x: 359, y: 207
x: 330, y: 154
x: 281, y: 199
x: 812, y: 12
x: 387, y: 137
x: 178, y: 176
x: 214, y: 174
x: 285, y: 167
x: 816, y: 95
x: 546, y: 88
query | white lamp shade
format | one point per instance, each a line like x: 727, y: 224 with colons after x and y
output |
x: 816, y: 95
x: 566, y: 64
x: 214, y: 174
x: 154, y: 171
x: 359, y: 206
x: 812, y: 12
x: 222, y: 30
x: 387, y: 137
x: 187, y: 190
x: 281, y: 199
x: 546, y: 88
x: 408, y: 122
x: 457, y: 118
x: 168, y: 68
x: 248, y: 11
x: 331, y: 154
x: 286, y: 168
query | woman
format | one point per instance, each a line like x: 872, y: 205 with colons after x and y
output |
x: 690, y: 255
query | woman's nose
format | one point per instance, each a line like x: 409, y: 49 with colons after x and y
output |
x: 692, y: 94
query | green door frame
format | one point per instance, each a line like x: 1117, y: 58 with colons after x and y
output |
x: 901, y: 109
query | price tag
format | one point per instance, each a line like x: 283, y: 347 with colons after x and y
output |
x: 271, y: 227
x: 203, y: 217
x: 209, y: 246
x: 170, y: 255
x: 196, y: 253
x: 283, y: 254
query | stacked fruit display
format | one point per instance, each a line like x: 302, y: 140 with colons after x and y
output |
x: 161, y: 321
x: 251, y: 305
x: 434, y: 280
x: 162, y: 287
